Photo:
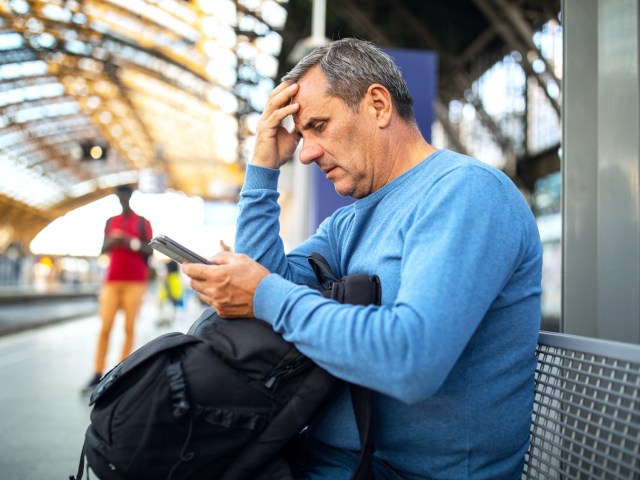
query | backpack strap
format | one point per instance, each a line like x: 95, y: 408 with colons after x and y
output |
x: 78, y: 475
x: 366, y: 290
x: 361, y: 401
x: 322, y: 270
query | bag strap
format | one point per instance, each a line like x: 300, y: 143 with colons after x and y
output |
x: 361, y: 401
x: 360, y: 396
x: 78, y: 475
x: 322, y: 270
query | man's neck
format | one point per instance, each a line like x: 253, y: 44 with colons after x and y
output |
x: 408, y: 149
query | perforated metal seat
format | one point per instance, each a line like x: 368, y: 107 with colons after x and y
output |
x: 586, y: 420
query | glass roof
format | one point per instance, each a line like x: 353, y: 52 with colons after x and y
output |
x: 169, y: 86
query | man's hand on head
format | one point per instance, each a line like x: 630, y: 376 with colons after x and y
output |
x: 275, y: 144
x: 228, y: 285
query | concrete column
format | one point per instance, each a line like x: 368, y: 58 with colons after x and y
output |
x: 601, y: 170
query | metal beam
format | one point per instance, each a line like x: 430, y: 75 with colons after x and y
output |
x: 353, y: 15
x: 418, y: 28
x: 507, y: 33
x: 515, y: 16
x: 475, y: 48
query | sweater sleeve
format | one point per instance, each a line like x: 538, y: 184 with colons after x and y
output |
x: 460, y: 249
x: 258, y: 229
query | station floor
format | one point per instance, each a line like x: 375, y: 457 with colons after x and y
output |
x: 43, y: 414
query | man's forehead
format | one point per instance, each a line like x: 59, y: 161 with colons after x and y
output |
x: 313, y: 99
x: 310, y: 88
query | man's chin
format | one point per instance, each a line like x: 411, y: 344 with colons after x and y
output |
x: 344, y: 190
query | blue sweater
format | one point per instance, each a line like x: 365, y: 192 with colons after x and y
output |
x: 451, y: 351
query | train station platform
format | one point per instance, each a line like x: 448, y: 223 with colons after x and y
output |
x: 24, y: 308
x: 42, y: 372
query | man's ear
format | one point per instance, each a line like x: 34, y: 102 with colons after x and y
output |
x: 379, y: 100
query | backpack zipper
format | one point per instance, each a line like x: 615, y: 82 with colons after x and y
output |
x: 271, y: 381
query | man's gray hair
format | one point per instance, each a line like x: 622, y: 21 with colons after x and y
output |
x: 350, y: 66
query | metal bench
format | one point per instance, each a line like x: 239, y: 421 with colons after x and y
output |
x: 586, y: 418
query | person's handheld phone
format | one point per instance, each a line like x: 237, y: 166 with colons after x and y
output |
x: 175, y: 251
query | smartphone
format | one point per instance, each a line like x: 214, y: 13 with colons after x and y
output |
x: 175, y: 251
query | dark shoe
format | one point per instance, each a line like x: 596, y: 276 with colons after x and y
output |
x: 93, y: 383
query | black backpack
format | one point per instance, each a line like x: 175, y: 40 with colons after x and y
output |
x: 218, y: 403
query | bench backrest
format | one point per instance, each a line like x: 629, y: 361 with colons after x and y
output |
x: 586, y: 419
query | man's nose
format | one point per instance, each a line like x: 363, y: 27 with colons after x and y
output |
x: 310, y: 153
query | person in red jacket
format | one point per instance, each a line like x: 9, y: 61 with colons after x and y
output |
x: 126, y: 238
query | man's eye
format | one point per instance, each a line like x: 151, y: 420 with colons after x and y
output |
x: 318, y: 127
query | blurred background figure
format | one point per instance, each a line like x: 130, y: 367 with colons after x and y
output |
x: 170, y: 292
x: 126, y: 238
x: 44, y: 274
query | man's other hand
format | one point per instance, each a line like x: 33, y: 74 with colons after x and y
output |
x: 229, y: 285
